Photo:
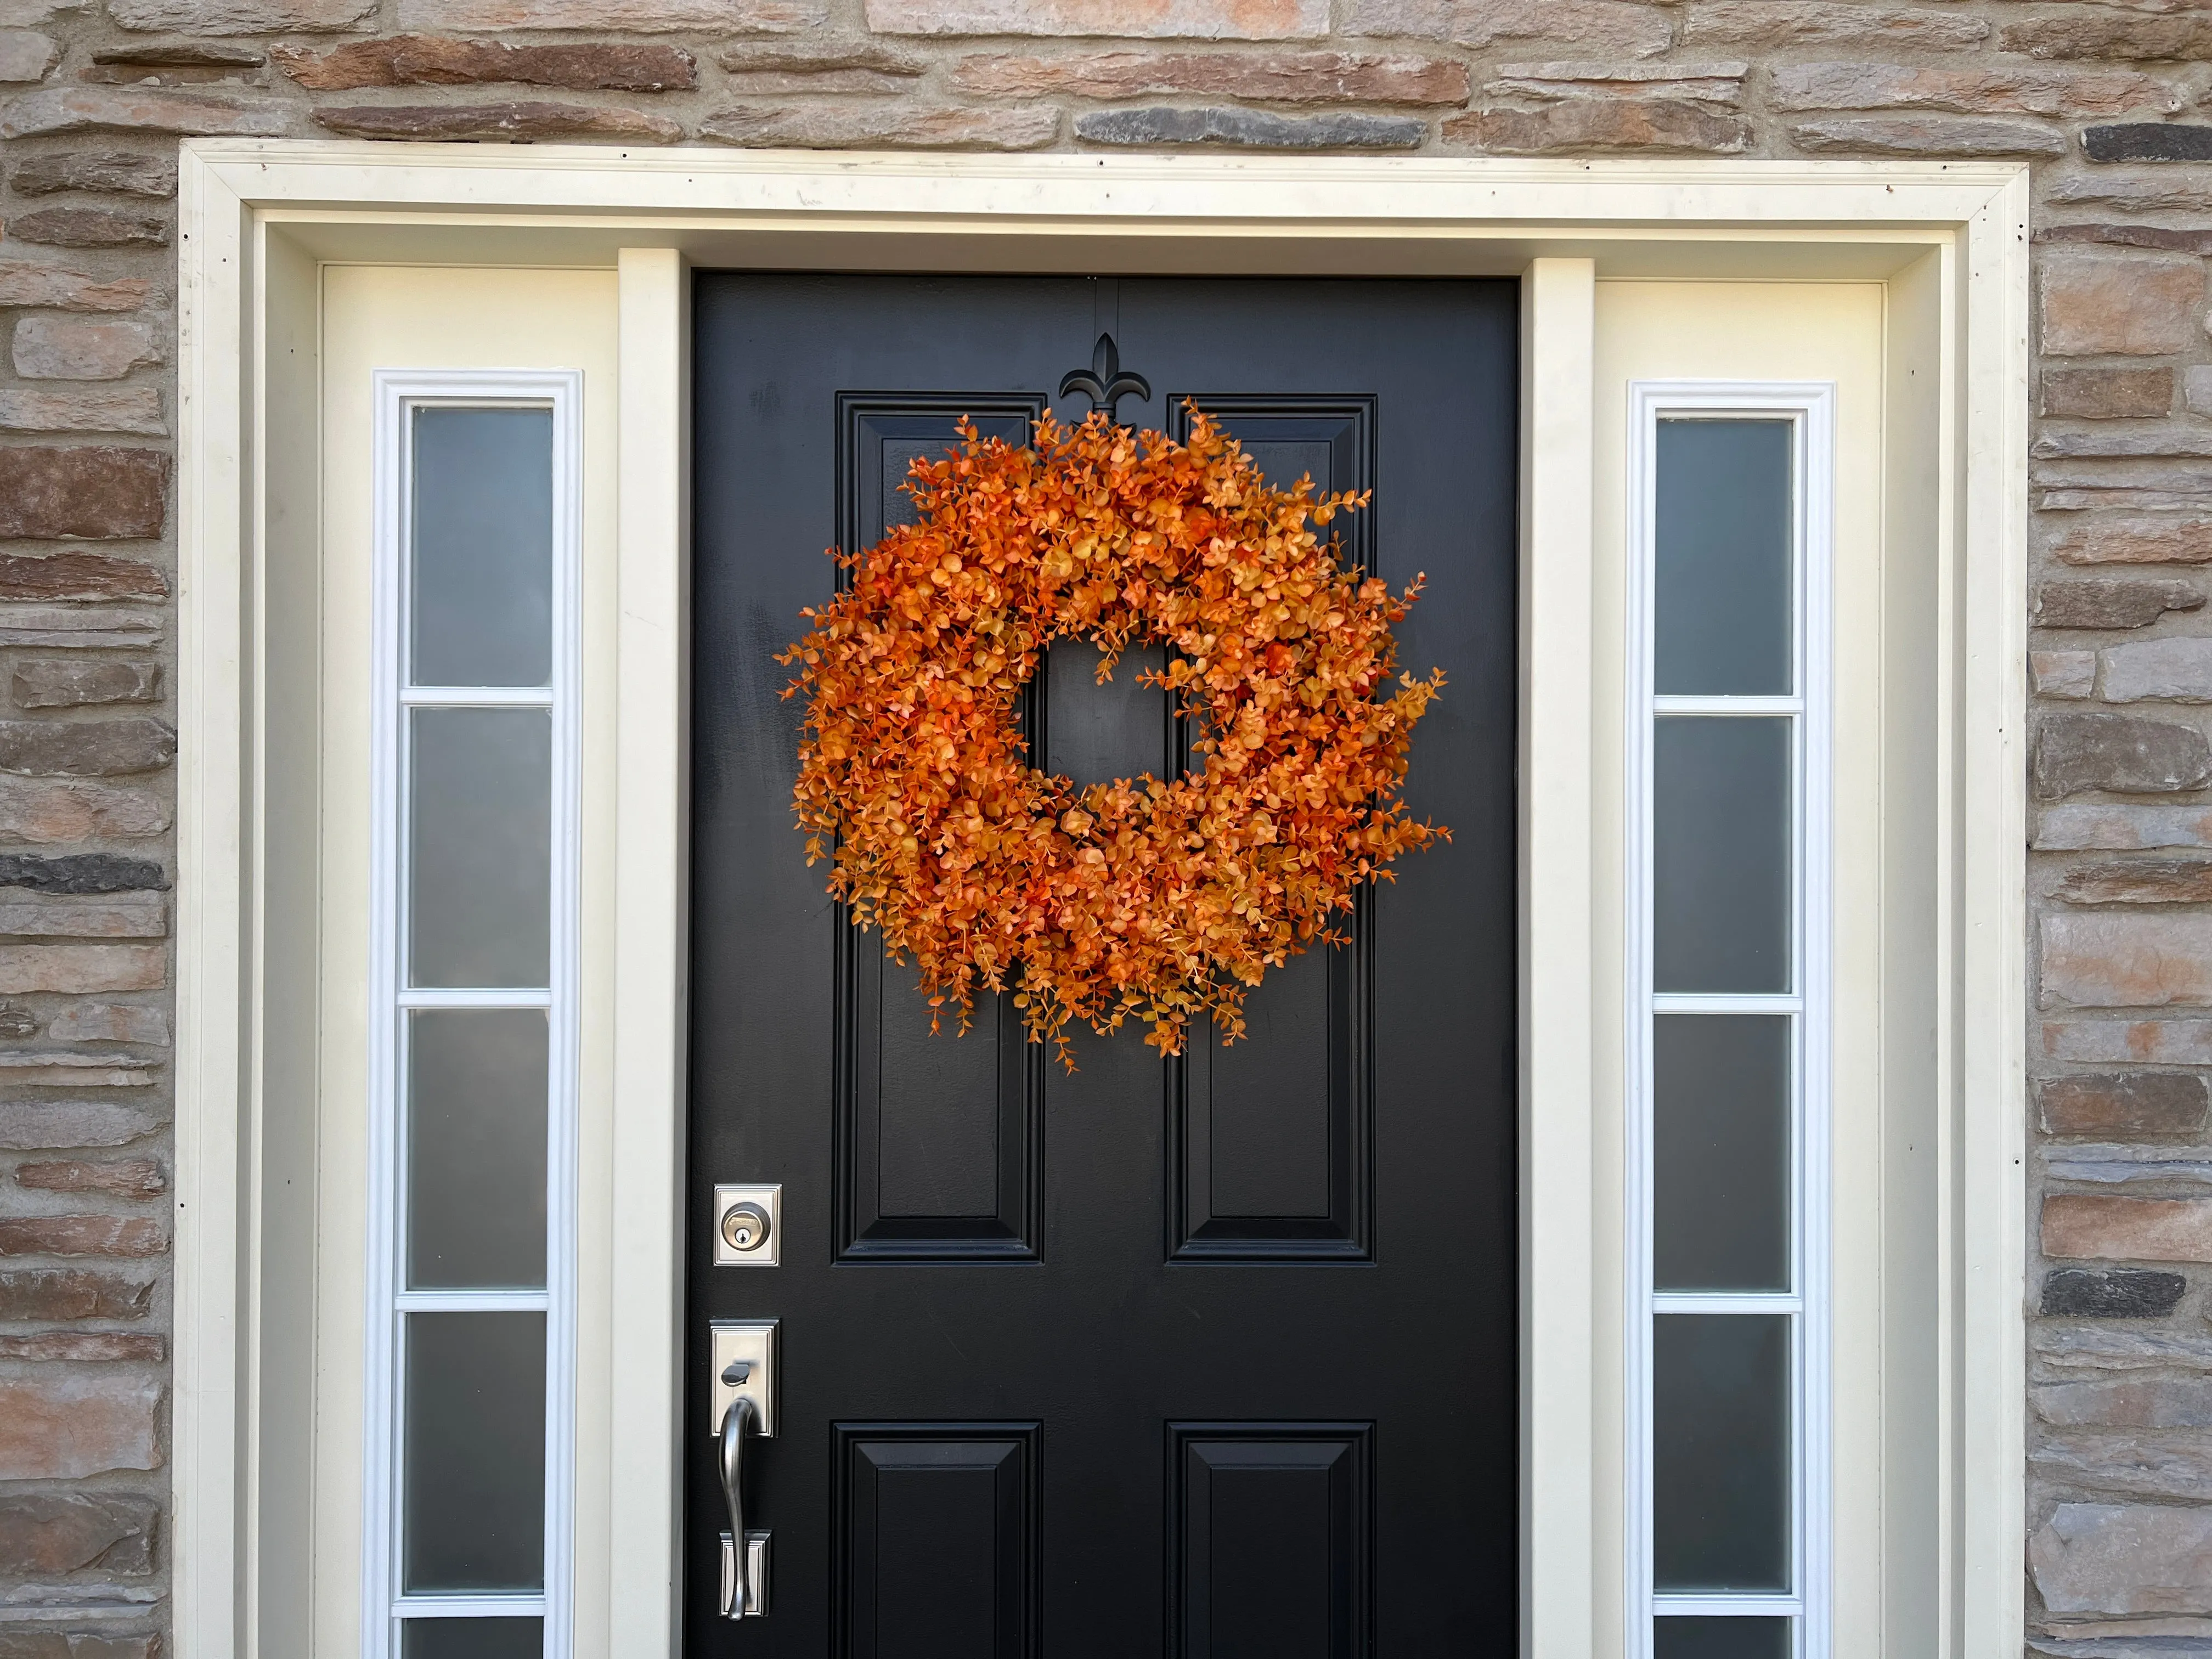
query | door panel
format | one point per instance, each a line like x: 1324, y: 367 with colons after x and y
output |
x: 1211, y: 1356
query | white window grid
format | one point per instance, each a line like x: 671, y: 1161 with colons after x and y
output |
x: 396, y: 395
x: 1809, y: 407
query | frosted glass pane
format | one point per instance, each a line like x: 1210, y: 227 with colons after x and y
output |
x: 1721, y: 1639
x: 474, y: 1460
x: 1720, y: 854
x: 475, y: 1149
x: 481, y: 848
x: 481, y: 576
x: 1721, y: 1151
x: 1722, y: 600
x: 473, y: 1638
x: 1720, y: 1451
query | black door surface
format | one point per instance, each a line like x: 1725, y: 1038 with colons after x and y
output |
x: 1210, y: 1357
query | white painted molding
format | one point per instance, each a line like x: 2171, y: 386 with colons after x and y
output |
x: 1560, y: 223
x: 1558, y: 1463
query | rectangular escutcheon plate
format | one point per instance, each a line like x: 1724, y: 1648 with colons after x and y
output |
x: 752, y: 1342
x: 756, y: 1573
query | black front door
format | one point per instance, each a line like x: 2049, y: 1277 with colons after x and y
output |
x: 1210, y: 1357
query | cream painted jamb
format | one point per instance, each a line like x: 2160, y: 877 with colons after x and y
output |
x: 1558, y: 1305
x: 215, y: 907
x: 1990, y: 1029
x: 567, y: 206
x: 652, y: 881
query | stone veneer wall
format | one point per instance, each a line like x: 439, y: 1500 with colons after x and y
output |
x: 2104, y: 99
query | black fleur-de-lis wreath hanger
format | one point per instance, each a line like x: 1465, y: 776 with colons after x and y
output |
x: 1103, y: 382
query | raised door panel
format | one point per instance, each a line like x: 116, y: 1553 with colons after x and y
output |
x: 1271, y: 1141
x: 1269, y: 1536
x: 938, y: 1136
x: 935, y: 1540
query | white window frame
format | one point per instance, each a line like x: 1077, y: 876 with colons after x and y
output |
x: 397, y: 393
x: 1809, y: 407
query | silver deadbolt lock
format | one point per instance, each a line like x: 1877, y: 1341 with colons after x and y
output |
x: 744, y: 1226
x: 748, y: 1224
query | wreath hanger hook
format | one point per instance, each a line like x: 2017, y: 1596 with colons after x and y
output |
x: 1103, y: 382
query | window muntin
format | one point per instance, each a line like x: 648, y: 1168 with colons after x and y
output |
x: 1728, y: 1021
x: 473, y: 1046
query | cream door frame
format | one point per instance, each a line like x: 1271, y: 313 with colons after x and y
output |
x: 259, y: 219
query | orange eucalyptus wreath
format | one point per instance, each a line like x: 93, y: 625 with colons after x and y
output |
x: 1162, y: 898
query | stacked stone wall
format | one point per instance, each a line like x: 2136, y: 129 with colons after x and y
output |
x: 2106, y: 101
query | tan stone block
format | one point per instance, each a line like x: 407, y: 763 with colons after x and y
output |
x: 1583, y: 27
x: 2111, y: 602
x: 69, y: 1424
x: 2124, y: 1558
x: 1927, y: 134
x: 2163, y: 540
x: 25, y: 56
x: 143, y: 109
x: 435, y: 60
x: 239, y: 16
x: 1209, y: 20
x: 1973, y: 92
x: 134, y: 409
x: 91, y: 492
x: 61, y: 1071
x: 83, y: 1235
x: 2127, y: 962
x: 2100, y: 1226
x: 63, y: 683
x: 2119, y: 1462
x: 2107, y: 393
x: 1792, y: 22
x: 83, y: 627
x: 2140, y: 881
x: 67, y: 347
x: 79, y: 576
x: 472, y: 123
x: 80, y: 968
x: 86, y: 1346
x: 2111, y: 826
x: 2096, y: 32
x: 48, y: 813
x: 83, y: 749
x: 612, y: 17
x: 2093, y: 304
x: 2120, y: 752
x: 111, y: 1022
x: 124, y: 172
x: 2177, y: 669
x: 44, y: 1293
x: 1280, y: 77
x: 2125, y: 1103
x: 1709, y: 83
x: 39, y: 282
x: 117, y: 1177
x: 2063, y: 673
x: 2128, y: 1042
x: 1602, y: 124
x: 49, y: 1534
x: 877, y: 125
x: 89, y: 226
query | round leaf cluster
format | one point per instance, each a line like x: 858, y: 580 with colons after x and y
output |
x: 1162, y: 898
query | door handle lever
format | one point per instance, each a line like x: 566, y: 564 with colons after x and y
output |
x: 740, y: 1593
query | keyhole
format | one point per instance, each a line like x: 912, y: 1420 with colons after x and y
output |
x: 744, y: 1226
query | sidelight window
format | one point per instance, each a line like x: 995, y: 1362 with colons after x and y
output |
x: 1728, y: 1021
x: 473, y: 1017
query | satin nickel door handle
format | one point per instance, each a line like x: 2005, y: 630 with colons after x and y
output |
x: 740, y: 1595
x: 744, y: 1397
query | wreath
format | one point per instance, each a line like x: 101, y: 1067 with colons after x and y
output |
x: 1162, y: 898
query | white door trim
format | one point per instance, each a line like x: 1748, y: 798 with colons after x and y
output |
x: 256, y: 218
